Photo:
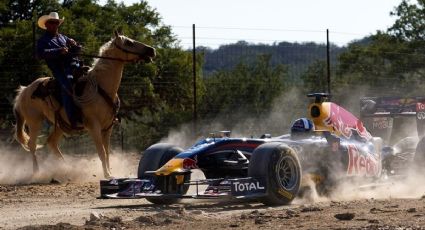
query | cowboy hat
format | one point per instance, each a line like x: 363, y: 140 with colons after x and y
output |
x: 52, y: 16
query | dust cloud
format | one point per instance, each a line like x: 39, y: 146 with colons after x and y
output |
x: 285, y: 109
x: 391, y: 188
x: 16, y: 167
x: 404, y: 187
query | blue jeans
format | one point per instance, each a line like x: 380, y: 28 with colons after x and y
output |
x: 66, y: 93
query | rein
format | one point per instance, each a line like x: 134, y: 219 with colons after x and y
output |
x: 104, y: 57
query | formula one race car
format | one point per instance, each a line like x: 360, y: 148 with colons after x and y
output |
x: 332, y: 145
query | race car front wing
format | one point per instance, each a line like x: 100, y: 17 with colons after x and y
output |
x: 133, y: 188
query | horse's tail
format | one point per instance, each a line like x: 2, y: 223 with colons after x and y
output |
x: 20, y: 135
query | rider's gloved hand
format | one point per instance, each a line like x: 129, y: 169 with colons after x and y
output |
x: 64, y: 50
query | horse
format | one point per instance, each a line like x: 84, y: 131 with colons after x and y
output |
x: 98, y: 112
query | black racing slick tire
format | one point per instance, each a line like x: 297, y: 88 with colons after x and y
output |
x: 280, y: 166
x: 419, y: 158
x: 153, y: 158
x: 156, y: 156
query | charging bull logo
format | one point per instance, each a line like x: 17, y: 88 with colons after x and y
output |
x: 361, y: 164
x: 189, y: 163
x: 345, y: 123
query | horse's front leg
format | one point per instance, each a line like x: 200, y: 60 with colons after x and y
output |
x: 34, y: 128
x: 96, y: 134
x: 53, y: 141
x: 106, y: 137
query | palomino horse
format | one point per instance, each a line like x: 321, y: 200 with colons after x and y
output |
x: 98, y: 113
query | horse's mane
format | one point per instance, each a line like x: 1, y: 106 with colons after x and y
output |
x: 103, y: 51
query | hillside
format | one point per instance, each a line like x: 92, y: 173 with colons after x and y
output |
x: 295, y: 56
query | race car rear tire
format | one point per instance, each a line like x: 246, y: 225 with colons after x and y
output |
x: 281, y: 168
x: 153, y: 158
x: 419, y: 158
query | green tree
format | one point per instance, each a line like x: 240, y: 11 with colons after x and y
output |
x: 390, y: 60
x: 245, y: 89
x: 314, y: 78
x: 410, y: 22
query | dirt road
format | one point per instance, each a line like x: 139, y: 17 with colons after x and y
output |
x: 65, y: 198
x: 74, y: 206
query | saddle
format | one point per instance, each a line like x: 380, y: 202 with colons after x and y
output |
x: 52, y: 87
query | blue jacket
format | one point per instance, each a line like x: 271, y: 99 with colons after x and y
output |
x: 49, y: 48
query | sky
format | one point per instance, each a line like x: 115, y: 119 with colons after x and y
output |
x: 220, y: 22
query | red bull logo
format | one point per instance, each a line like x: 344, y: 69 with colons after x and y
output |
x: 361, y: 164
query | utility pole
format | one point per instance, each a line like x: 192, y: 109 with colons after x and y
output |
x: 328, y: 62
x: 195, y: 115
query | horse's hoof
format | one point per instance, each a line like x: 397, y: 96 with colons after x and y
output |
x: 61, y: 159
x: 109, y: 177
x: 54, y: 181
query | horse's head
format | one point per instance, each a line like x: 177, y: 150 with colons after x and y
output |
x: 132, y: 49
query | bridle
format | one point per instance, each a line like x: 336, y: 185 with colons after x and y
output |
x: 123, y: 49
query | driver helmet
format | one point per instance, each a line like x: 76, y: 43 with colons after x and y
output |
x: 302, y: 126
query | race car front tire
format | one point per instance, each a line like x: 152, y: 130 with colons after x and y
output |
x: 153, y: 158
x: 279, y: 165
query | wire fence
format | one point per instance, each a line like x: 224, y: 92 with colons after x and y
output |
x: 214, y: 37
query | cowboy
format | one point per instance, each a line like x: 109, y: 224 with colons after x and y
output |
x: 59, y: 52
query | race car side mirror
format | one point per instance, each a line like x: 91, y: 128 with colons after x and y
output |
x: 266, y: 135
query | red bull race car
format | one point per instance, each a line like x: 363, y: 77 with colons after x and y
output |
x: 331, y: 145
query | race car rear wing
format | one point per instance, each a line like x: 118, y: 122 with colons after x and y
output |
x: 390, y: 116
